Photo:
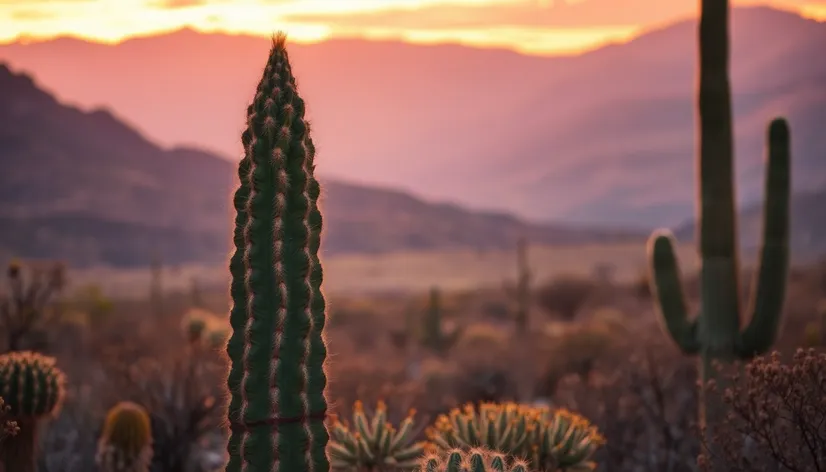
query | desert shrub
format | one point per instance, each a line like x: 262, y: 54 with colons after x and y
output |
x: 645, y: 404
x: 777, y: 416
x: 482, y: 337
x: 183, y: 391
x: 497, y: 310
x: 26, y: 307
x: 576, y: 350
x: 565, y: 295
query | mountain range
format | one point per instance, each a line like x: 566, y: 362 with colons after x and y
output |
x: 606, y: 137
x: 84, y: 187
x: 602, y: 137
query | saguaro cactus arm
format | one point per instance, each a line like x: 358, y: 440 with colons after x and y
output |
x: 667, y: 290
x: 769, y: 286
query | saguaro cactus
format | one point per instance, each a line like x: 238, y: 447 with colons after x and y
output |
x: 277, y: 354
x: 715, y: 334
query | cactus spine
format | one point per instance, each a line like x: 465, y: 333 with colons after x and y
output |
x: 277, y: 353
x: 126, y: 442
x: 716, y: 333
x: 33, y: 389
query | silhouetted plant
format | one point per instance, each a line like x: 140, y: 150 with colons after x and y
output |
x: 777, y: 416
x: 184, y: 398
x: 24, y: 304
x: 646, y: 409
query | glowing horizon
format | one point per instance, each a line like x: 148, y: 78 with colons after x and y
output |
x: 527, y: 26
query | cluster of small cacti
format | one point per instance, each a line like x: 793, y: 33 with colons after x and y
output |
x: 434, y: 336
x: 550, y: 440
x: 126, y: 442
x: 33, y: 389
x: 473, y: 460
x: 374, y: 444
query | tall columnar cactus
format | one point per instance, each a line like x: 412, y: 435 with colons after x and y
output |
x: 523, y: 287
x: 277, y: 353
x: 126, y: 442
x: 33, y: 389
x: 715, y: 334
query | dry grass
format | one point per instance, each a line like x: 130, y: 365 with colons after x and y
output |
x: 412, y: 271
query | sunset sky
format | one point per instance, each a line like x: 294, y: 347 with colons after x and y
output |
x: 531, y: 26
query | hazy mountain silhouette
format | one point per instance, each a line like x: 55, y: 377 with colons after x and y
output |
x: 607, y: 136
x: 84, y: 187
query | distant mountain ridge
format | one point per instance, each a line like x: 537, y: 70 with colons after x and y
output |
x: 604, y: 138
x: 85, y: 188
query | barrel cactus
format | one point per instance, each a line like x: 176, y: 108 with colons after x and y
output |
x: 126, y: 442
x: 33, y: 389
x: 373, y: 444
x: 474, y: 460
x: 277, y: 352
x: 549, y: 440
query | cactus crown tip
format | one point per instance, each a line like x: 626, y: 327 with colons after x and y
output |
x: 279, y: 39
x: 779, y: 128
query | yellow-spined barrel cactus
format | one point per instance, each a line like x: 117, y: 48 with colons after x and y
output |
x: 474, y: 460
x: 373, y: 444
x: 550, y: 440
x: 33, y: 389
x: 126, y: 442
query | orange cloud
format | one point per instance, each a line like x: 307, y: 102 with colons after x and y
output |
x: 173, y: 4
x: 524, y: 13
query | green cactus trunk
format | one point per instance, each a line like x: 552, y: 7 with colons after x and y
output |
x: 277, y: 352
x: 716, y: 333
x: 433, y: 322
x: 434, y: 336
x: 18, y: 453
x: 523, y: 287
